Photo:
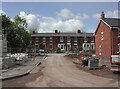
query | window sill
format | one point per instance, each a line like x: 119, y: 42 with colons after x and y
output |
x: 75, y: 41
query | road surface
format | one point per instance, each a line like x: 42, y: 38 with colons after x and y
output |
x: 58, y: 71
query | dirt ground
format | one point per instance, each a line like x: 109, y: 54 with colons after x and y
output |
x: 102, y: 72
x: 60, y: 71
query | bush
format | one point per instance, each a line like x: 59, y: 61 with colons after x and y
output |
x: 57, y: 50
x: 93, y: 51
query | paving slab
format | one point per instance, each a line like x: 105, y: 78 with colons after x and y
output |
x: 22, y: 69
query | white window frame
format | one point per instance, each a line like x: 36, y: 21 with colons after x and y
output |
x: 61, y: 39
x: 101, y: 35
x: 118, y: 31
x: 52, y: 46
x: 44, y: 39
x: 51, y: 39
x: 100, y: 50
x: 75, y: 39
x: 64, y: 47
x: 68, y: 39
x: 119, y: 47
x: 76, y: 46
x: 85, y: 39
x: 45, y: 45
x: 85, y: 47
x: 92, y: 39
x: 93, y: 46
x: 37, y: 39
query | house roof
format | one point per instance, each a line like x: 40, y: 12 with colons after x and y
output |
x: 112, y: 22
x: 62, y: 34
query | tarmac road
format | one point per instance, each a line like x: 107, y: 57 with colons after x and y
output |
x: 58, y: 71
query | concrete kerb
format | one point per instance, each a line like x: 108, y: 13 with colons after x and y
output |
x: 26, y: 73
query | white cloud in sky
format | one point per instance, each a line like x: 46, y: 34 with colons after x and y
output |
x: 91, y: 30
x: 49, y: 24
x: 68, y: 14
x: 2, y: 12
x: 108, y: 14
x: 64, y: 26
x: 31, y: 19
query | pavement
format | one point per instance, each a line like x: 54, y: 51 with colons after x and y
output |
x: 22, y: 69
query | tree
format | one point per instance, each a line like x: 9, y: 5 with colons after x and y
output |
x: 16, y: 31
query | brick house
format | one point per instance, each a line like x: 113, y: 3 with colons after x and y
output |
x: 107, y: 37
x: 65, y: 41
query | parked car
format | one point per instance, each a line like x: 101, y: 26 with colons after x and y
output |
x: 42, y: 51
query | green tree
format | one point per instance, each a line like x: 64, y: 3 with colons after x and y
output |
x: 16, y: 31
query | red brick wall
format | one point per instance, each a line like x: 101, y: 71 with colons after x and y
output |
x: 105, y: 43
x: 56, y: 41
x: 115, y: 41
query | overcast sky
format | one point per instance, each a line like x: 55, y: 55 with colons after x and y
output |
x: 64, y: 16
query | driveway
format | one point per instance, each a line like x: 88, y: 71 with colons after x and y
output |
x: 58, y: 71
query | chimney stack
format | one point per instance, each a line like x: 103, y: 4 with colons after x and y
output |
x: 33, y: 32
x: 78, y: 31
x: 56, y: 31
x: 102, y: 15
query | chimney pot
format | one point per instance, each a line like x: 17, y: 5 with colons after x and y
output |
x: 79, y: 31
x: 33, y: 32
x: 102, y: 15
x: 56, y: 31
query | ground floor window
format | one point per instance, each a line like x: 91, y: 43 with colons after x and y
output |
x: 119, y: 47
x: 51, y: 46
x: 75, y: 46
x: 86, y: 46
x: 92, y: 46
x: 99, y: 49
x: 62, y: 46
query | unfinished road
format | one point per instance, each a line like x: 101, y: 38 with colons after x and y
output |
x: 58, y: 71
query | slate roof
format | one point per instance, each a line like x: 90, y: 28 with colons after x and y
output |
x: 62, y: 34
x: 113, y: 22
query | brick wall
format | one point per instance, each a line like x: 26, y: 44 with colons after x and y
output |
x: 115, y: 41
x: 56, y: 41
x: 105, y: 43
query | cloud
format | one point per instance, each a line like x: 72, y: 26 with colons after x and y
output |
x: 68, y: 14
x: 49, y: 24
x: 2, y: 12
x: 31, y: 19
x: 65, y: 26
x: 108, y: 14
x: 91, y: 30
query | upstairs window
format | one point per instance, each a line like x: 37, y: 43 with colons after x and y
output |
x: 44, y: 39
x: 51, y: 39
x: 75, y: 39
x: 101, y: 35
x: 119, y: 32
x: 68, y: 39
x: 61, y: 39
x: 37, y: 39
x: 92, y: 39
x: 85, y: 39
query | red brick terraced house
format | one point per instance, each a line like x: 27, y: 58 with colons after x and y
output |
x: 107, y: 37
x: 65, y: 41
